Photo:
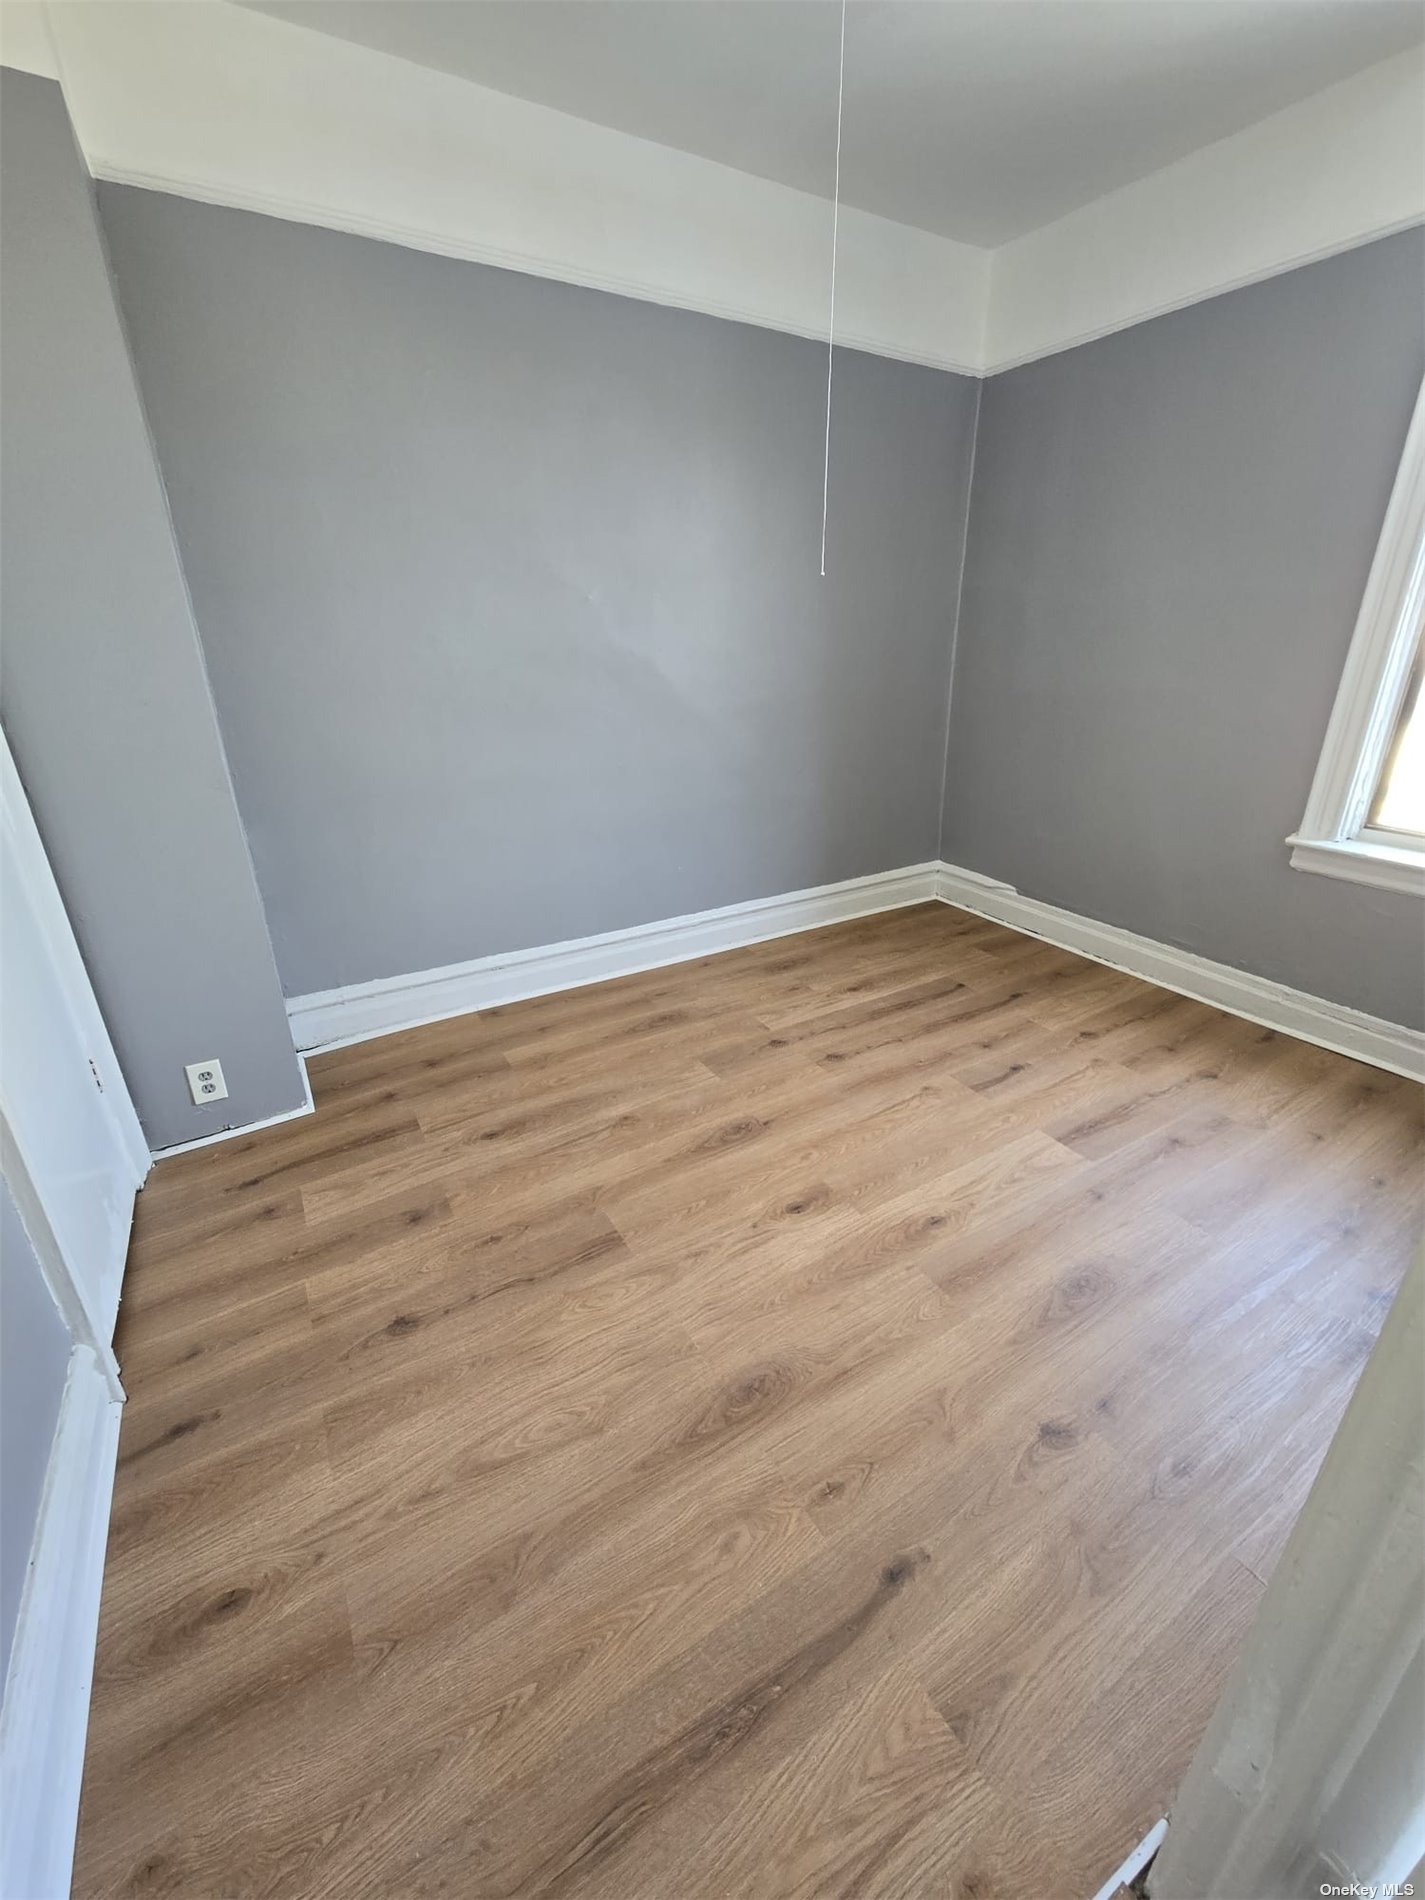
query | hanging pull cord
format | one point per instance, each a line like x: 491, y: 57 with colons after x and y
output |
x: 831, y: 323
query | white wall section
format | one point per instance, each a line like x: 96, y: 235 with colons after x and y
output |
x: 212, y: 101
x: 25, y: 42
x: 1344, y: 166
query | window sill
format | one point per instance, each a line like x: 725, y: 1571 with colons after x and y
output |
x: 1384, y: 866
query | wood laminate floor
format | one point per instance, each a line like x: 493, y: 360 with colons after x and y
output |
x: 814, y: 1421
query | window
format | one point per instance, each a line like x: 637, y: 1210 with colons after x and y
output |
x: 1399, y: 804
x: 1365, y: 818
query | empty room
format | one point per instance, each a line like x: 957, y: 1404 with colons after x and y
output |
x: 712, y: 949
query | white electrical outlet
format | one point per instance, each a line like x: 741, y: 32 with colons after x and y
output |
x: 205, y: 1081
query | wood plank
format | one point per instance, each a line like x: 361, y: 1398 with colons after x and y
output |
x: 816, y: 1420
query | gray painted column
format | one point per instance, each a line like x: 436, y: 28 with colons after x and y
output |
x: 105, y: 699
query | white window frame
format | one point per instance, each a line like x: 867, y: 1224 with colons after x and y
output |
x: 1334, y: 837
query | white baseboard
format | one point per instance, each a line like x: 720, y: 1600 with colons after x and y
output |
x: 1350, y: 1032
x: 1129, y: 1869
x: 330, y: 1017
x: 306, y: 1107
x: 46, y: 1710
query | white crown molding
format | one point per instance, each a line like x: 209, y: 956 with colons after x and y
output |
x: 46, y: 1707
x: 213, y: 101
x: 1334, y: 171
x: 329, y: 1017
x: 1349, y: 1032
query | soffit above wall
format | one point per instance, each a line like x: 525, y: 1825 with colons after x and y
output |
x: 1337, y: 170
x: 213, y: 101
x: 25, y: 42
x: 218, y: 101
x: 975, y: 119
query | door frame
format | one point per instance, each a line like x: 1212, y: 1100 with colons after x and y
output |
x: 1299, y: 1772
x: 25, y: 851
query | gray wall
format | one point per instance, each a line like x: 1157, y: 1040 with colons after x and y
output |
x: 105, y: 700
x: 34, y: 1362
x: 1169, y: 538
x: 509, y: 590
x: 509, y: 596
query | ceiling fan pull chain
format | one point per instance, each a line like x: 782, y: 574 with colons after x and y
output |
x: 831, y: 320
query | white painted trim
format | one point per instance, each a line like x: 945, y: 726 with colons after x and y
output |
x: 977, y: 881
x: 69, y: 1293
x: 1310, y: 1761
x: 308, y: 1107
x: 216, y: 102
x: 73, y: 1171
x: 1368, y: 699
x: 874, y: 339
x: 46, y: 1708
x: 1385, y: 867
x: 1133, y: 1863
x: 32, y: 867
x: 328, y: 1018
x: 1338, y: 169
x: 1349, y: 1032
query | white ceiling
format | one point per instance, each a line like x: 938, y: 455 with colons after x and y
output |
x: 976, y: 119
